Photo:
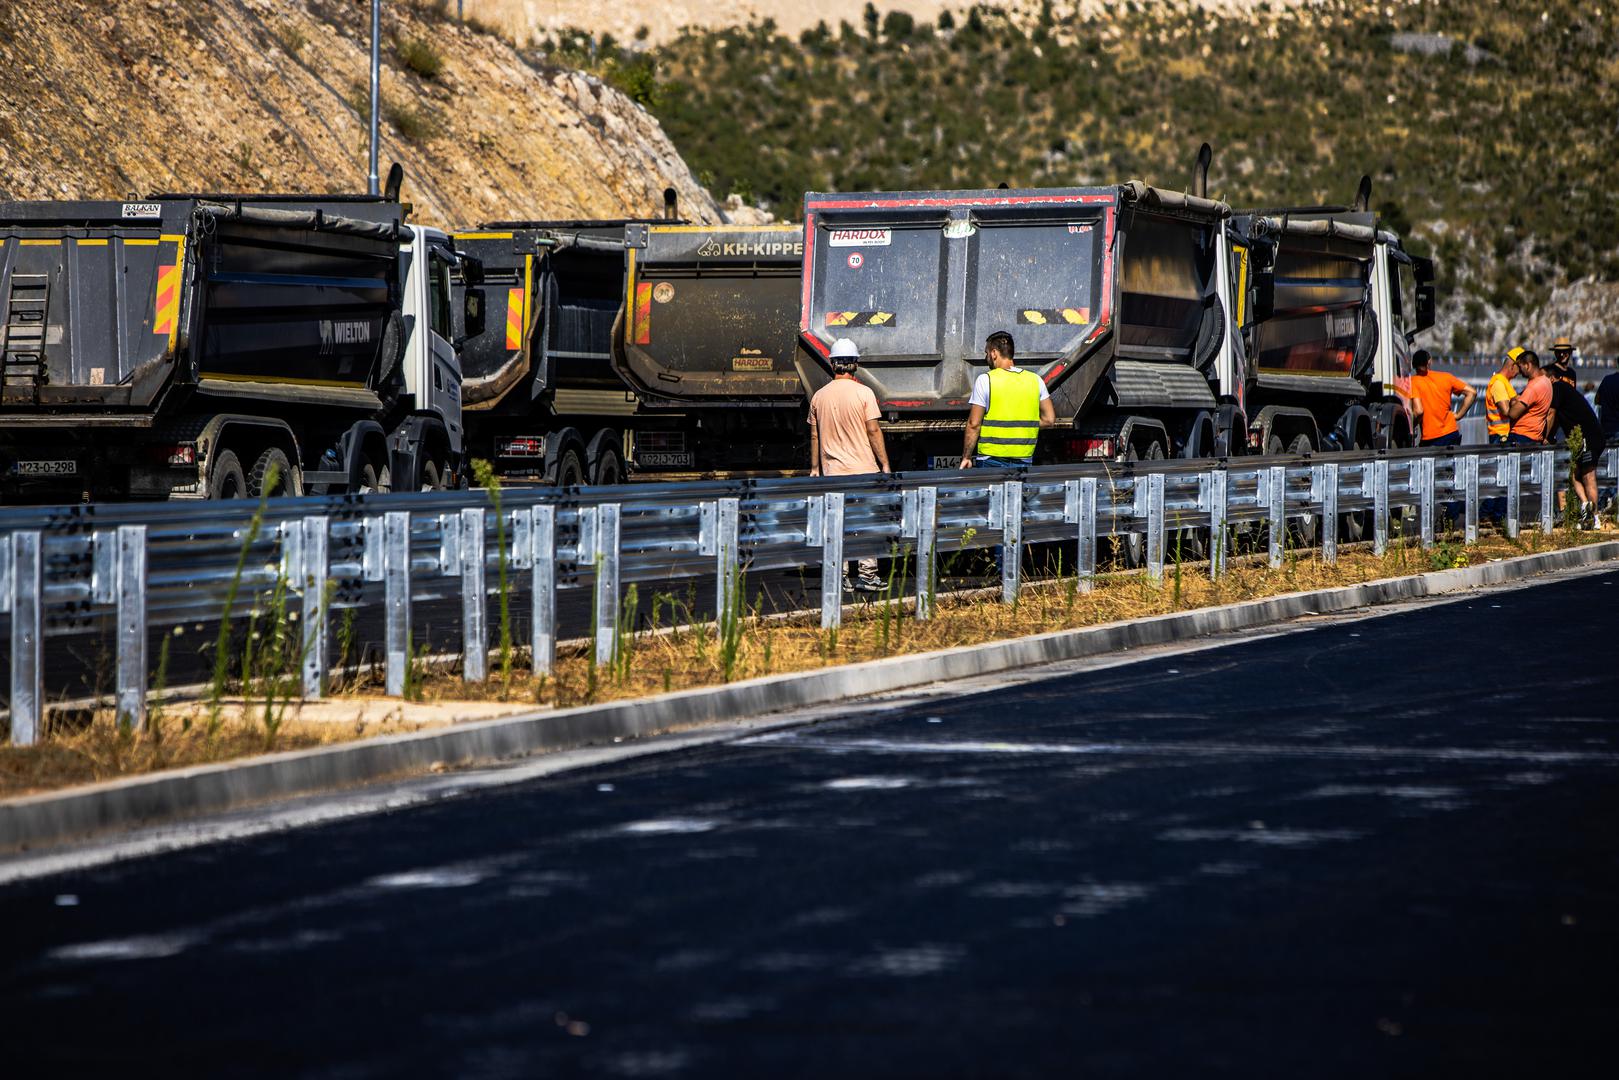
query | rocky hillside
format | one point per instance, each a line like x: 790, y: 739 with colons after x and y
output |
x: 113, y: 97
x: 1490, y: 127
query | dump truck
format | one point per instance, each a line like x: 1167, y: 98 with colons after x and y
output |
x: 707, y: 341
x: 1326, y: 364
x: 218, y: 346
x: 1112, y: 294
x: 542, y: 400
x: 599, y: 351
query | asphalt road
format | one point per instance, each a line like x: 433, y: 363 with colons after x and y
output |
x: 1381, y: 847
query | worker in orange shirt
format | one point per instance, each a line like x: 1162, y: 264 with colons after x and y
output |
x: 1434, y: 389
x: 1498, y: 393
x: 1528, y: 410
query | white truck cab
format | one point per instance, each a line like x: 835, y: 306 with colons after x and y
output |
x: 429, y: 446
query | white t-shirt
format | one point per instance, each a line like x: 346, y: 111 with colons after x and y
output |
x: 981, y: 390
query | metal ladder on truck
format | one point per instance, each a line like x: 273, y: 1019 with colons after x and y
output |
x: 24, y: 344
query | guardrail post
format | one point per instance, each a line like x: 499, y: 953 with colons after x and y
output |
x: 1218, y: 487
x: 396, y: 597
x: 1329, y: 512
x: 927, y: 531
x: 543, y: 618
x: 312, y: 580
x: 832, y: 561
x: 132, y: 625
x: 1011, y: 540
x: 1612, y: 454
x: 1429, y: 501
x: 27, y: 637
x: 474, y: 599
x: 104, y: 566
x: 1514, y: 470
x: 1155, y: 526
x: 1380, y: 506
x: 1548, y: 490
x: 1079, y: 509
x: 1469, y: 466
x: 727, y: 557
x: 1278, y: 512
x: 607, y: 537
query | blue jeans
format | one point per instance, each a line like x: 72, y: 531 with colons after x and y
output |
x: 1516, y: 439
x: 1454, y: 438
x: 982, y: 461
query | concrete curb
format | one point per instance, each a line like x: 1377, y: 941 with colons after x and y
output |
x: 54, y: 817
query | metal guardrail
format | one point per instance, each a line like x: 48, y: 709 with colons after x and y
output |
x: 68, y: 569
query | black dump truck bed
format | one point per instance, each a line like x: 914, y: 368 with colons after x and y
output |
x: 1321, y: 334
x: 1105, y: 290
x: 712, y: 315
x: 551, y: 292
x: 109, y: 307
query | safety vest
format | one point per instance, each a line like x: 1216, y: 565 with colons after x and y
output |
x: 1012, y: 421
x: 1493, y: 417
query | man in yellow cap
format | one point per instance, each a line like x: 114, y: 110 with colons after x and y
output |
x: 1498, y: 393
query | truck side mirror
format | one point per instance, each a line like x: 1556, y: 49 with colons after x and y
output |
x: 1264, y: 293
x: 1427, y: 295
x: 472, y: 310
x: 471, y: 269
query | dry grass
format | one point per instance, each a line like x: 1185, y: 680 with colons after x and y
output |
x: 657, y: 658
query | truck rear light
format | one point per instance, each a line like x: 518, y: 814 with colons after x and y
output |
x: 1256, y: 438
x: 1092, y: 447
x: 174, y: 454
x: 521, y: 446
x: 663, y: 442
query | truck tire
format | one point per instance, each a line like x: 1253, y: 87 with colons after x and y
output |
x: 272, y: 460
x: 609, y: 468
x: 570, y: 469
x: 432, y: 477
x: 226, y: 480
x: 1303, y: 531
x: 374, y: 478
x: 1210, y: 334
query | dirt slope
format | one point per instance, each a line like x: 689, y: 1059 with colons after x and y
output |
x: 116, y: 97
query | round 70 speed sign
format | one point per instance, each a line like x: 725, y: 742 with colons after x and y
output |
x: 856, y: 260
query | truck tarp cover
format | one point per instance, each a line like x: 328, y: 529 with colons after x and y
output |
x: 97, y: 309
x: 884, y: 271
x: 712, y: 315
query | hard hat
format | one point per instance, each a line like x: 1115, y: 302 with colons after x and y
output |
x: 844, y: 349
x: 1562, y: 343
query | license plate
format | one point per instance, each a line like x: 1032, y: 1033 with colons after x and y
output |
x: 663, y: 460
x: 47, y: 468
x: 938, y: 461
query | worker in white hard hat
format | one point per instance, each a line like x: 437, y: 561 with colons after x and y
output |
x: 845, y: 437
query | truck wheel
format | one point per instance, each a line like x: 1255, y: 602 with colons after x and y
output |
x: 373, y: 478
x: 432, y: 478
x: 272, y: 460
x: 609, y: 469
x: 1303, y: 531
x: 225, y: 477
x: 570, y: 469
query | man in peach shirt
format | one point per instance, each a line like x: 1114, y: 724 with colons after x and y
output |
x: 1528, y: 410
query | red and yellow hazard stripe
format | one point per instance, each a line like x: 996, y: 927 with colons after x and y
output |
x: 514, y: 317
x: 166, y: 310
x: 643, y: 313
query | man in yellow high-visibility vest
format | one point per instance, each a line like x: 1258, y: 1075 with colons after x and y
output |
x: 1008, y: 407
x: 1498, y: 393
